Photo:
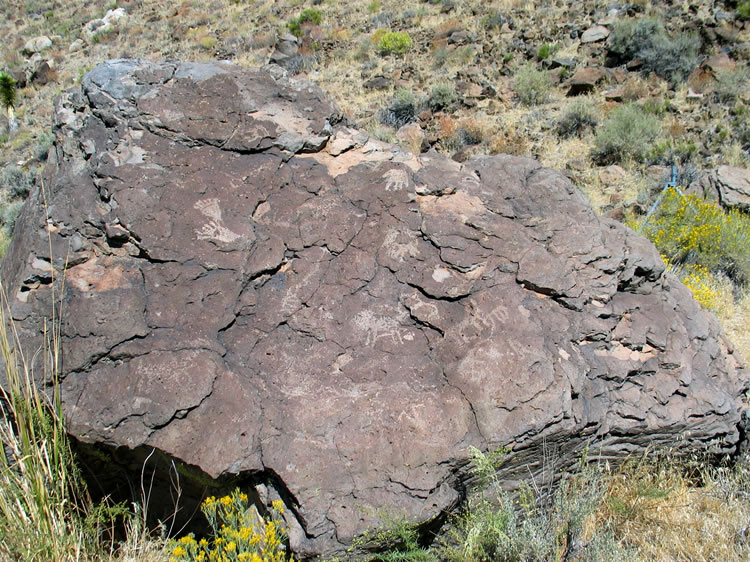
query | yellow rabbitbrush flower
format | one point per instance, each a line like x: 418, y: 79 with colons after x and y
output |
x: 239, y: 533
x: 711, y: 291
x: 690, y: 231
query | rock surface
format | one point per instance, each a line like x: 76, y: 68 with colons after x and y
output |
x: 257, y: 291
x: 727, y: 184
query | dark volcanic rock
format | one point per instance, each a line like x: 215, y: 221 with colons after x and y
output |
x: 338, y: 320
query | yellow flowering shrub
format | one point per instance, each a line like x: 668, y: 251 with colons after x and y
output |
x: 713, y: 292
x: 690, y: 230
x: 239, y: 534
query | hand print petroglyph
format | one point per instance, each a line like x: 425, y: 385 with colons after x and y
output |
x: 396, y: 179
x: 214, y: 229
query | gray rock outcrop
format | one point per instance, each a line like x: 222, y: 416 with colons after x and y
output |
x: 260, y: 292
x: 729, y: 185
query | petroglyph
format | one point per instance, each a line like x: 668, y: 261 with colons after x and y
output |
x: 377, y: 327
x: 214, y: 229
x: 398, y: 251
x: 396, y: 179
x: 483, y: 323
x: 210, y: 208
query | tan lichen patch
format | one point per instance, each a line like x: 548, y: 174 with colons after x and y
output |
x: 97, y: 275
x: 619, y: 351
x: 459, y: 203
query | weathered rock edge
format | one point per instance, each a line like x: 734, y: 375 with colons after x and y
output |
x: 255, y: 289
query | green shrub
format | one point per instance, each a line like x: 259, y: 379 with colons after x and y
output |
x: 730, y: 84
x: 628, y: 133
x: 9, y: 214
x: 579, y: 116
x: 629, y: 36
x: 495, y: 527
x: 17, y: 182
x: 403, y: 109
x: 207, y: 43
x: 310, y: 15
x: 441, y: 96
x: 397, y: 541
x: 689, y: 230
x: 532, y: 86
x: 672, y: 58
x: 743, y: 10
x: 43, y: 143
x: 545, y: 51
x: 394, y: 42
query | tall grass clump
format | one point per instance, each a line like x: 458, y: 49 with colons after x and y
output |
x: 628, y: 134
x: 44, y: 506
x: 690, y: 230
x: 46, y: 512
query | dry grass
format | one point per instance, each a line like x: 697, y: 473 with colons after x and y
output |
x: 666, y: 513
x: 735, y: 318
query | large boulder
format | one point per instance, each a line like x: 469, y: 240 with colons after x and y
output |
x: 265, y: 296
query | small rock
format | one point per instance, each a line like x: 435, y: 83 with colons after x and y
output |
x: 720, y: 63
x: 116, y: 233
x: 377, y: 83
x: 97, y: 26
x: 339, y: 145
x: 76, y: 45
x: 44, y: 73
x: 612, y: 175
x: 37, y: 45
x: 562, y: 62
x: 595, y: 34
x: 584, y: 80
x: 634, y: 64
x: 459, y: 38
x: 411, y: 137
x: 615, y: 94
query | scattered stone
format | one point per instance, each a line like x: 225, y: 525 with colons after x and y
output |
x: 612, y: 175
x: 345, y: 325
x: 377, y: 83
x: 595, y: 34
x: 562, y: 62
x: 615, y: 94
x: 286, y: 48
x: 116, y: 233
x: 76, y: 45
x: 412, y: 137
x: 719, y: 63
x: 103, y: 25
x: 37, y: 45
x: 43, y: 73
x: 585, y: 80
